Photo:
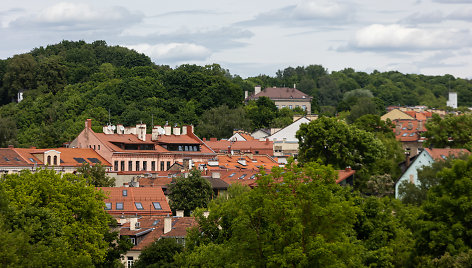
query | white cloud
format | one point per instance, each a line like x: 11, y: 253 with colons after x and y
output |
x: 427, y: 17
x: 320, y: 9
x: 70, y: 16
x: 397, y: 37
x: 173, y: 52
x: 461, y: 14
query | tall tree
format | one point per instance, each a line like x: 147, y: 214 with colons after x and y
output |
x: 450, y: 131
x: 190, y: 193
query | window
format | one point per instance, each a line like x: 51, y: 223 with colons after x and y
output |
x: 138, y: 205
x: 290, y: 106
x: 79, y: 160
x: 283, y: 106
x: 232, y: 174
x: 108, y: 206
x: 125, y: 192
x: 94, y: 147
x: 168, y: 165
x: 93, y: 160
x: 252, y: 177
x: 304, y: 107
x: 137, y: 166
x: 99, y: 147
x: 153, y: 165
x: 144, y: 165
x: 49, y: 160
x: 55, y: 160
x: 130, y: 261
x: 257, y: 152
x: 157, y: 205
x: 162, y: 165
x: 242, y: 177
x: 133, y: 240
x: 130, y: 165
x: 116, y: 165
x: 119, y: 206
x: 122, y: 165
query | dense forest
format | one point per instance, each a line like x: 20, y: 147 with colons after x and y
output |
x: 66, y: 83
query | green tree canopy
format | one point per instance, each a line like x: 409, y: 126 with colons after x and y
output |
x: 450, y: 131
x: 59, y: 217
x: 96, y: 175
x: 189, y: 193
x: 159, y: 254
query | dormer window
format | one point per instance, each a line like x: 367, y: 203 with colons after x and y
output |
x: 55, y: 160
x: 125, y: 192
x: 49, y: 160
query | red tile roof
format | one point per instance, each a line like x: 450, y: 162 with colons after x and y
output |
x: 409, y: 130
x: 67, y: 156
x: 262, y: 147
x: 441, y: 154
x: 144, y: 195
x: 153, y: 229
x: 9, y: 157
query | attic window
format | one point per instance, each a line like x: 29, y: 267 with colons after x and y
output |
x: 17, y: 159
x: 232, y: 174
x: 125, y: 192
x: 252, y: 177
x: 94, y: 160
x: 6, y: 158
x: 412, y: 134
x: 157, y: 205
x: 242, y: 177
x: 404, y: 128
x: 60, y: 161
x: 443, y: 157
x: 405, y: 134
x: 138, y: 205
x: 119, y: 206
x: 32, y: 160
x: 80, y: 160
x: 108, y: 206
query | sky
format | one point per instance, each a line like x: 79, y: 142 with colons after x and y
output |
x: 252, y: 37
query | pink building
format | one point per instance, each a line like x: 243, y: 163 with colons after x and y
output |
x: 132, y: 149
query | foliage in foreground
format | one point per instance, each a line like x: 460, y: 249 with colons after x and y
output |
x: 54, y: 220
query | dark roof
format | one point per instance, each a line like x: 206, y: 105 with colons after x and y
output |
x: 217, y: 183
x: 281, y: 93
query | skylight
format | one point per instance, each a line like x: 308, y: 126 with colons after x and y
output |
x: 108, y: 206
x: 94, y: 160
x: 119, y: 206
x: 157, y: 205
x: 242, y: 177
x: 6, y: 158
x: 252, y: 177
x: 232, y: 174
x: 80, y: 160
x: 138, y: 205
x: 405, y: 134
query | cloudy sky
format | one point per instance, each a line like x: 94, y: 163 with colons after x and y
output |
x: 251, y: 37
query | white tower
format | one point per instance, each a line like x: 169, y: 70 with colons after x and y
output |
x: 452, y: 102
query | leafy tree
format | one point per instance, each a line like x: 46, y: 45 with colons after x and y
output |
x: 96, y: 175
x: 7, y: 132
x: 219, y: 122
x: 59, y: 217
x: 337, y: 144
x: 262, y: 112
x: 444, y: 226
x: 190, y: 193
x: 450, y: 131
x: 294, y: 217
x: 413, y: 194
x: 20, y: 74
x: 159, y: 254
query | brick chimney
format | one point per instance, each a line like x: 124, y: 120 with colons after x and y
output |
x: 88, y: 123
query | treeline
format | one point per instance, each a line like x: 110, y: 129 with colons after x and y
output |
x: 66, y: 83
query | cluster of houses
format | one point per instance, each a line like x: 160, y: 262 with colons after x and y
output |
x: 145, y: 162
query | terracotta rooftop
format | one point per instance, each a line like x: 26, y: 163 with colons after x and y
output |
x: 69, y: 156
x: 264, y: 147
x: 409, y: 130
x: 442, y: 154
x: 9, y: 157
x: 153, y: 229
x: 136, y: 201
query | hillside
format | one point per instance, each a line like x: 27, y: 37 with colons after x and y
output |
x: 66, y: 83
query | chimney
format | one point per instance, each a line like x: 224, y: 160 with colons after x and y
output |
x: 132, y: 223
x: 167, y: 224
x: 156, y: 130
x: 257, y: 90
x: 88, y: 123
x: 215, y: 175
x: 141, y: 131
x: 246, y: 94
x: 179, y: 213
x: 120, y: 129
x: 407, y: 161
x: 176, y: 131
x: 294, y: 85
x: 184, y: 130
x: 168, y: 130
x: 348, y: 169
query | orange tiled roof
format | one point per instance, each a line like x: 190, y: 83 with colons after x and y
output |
x: 441, y: 154
x: 243, y: 146
x: 67, y: 156
x: 144, y: 195
x: 409, y: 130
x: 237, y: 162
x: 9, y: 157
x: 153, y: 229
